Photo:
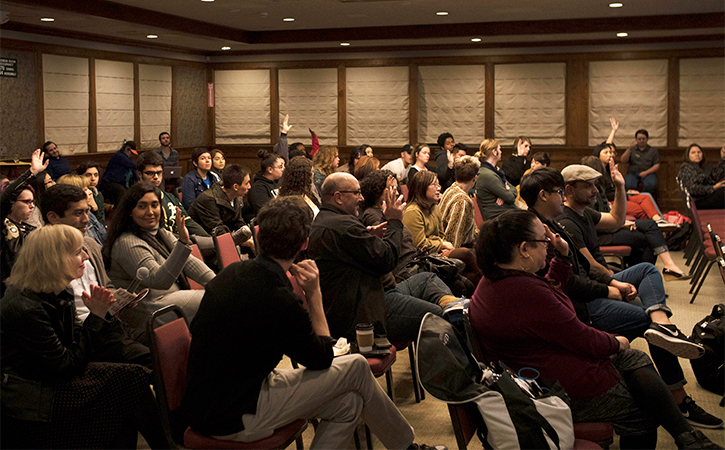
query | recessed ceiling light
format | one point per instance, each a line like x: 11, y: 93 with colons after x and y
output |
x: 207, y: 0
x: 152, y: 36
x: 47, y: 19
x: 476, y: 40
x: 622, y: 34
x: 345, y: 44
x: 225, y: 47
x: 442, y: 13
x: 615, y: 5
x: 288, y: 19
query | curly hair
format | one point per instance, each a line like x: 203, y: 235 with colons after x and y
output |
x: 373, y: 186
x: 297, y: 178
x: 324, y: 158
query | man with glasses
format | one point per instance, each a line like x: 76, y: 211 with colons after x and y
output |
x: 601, y: 300
x: 150, y: 169
x: 352, y: 257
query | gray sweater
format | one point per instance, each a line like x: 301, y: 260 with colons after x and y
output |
x: 489, y: 188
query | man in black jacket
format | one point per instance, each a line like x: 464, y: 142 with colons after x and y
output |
x: 445, y: 158
x: 235, y: 392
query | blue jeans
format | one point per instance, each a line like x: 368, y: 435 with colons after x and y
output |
x: 409, y: 301
x: 649, y: 182
x: 631, y: 321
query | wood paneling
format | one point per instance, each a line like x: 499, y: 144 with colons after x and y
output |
x: 210, y: 117
x: 673, y: 101
x: 136, y: 106
x: 274, y: 105
x: 341, y: 107
x: 577, y: 103
x: 490, y: 102
x: 174, y: 124
x: 40, y: 101
x: 413, y: 104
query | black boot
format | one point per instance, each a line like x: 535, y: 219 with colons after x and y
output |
x: 694, y: 439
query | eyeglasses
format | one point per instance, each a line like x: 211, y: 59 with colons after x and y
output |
x: 27, y: 202
x: 546, y: 240
x: 357, y: 192
x: 153, y: 174
x: 558, y: 191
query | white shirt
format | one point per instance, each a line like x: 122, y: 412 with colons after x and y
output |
x: 397, y: 166
x: 83, y: 284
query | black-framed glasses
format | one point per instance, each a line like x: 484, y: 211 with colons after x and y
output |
x: 357, y: 192
x: 151, y: 173
x: 546, y: 240
x: 27, y: 202
x: 558, y: 191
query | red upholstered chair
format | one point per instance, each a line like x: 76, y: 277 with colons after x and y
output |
x: 196, y: 253
x: 477, y: 216
x: 170, y: 345
x: 617, y: 251
x: 404, y: 191
x: 226, y: 249
x: 712, y: 254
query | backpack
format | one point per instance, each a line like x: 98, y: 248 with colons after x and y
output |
x: 710, y: 332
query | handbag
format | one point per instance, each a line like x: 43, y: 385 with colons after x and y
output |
x: 447, y: 269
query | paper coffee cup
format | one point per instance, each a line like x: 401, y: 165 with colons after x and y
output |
x: 365, y: 336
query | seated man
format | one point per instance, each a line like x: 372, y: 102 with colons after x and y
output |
x: 644, y: 163
x: 66, y: 204
x: 351, y: 257
x: 150, y: 169
x: 597, y: 296
x: 234, y: 391
x: 456, y: 205
x: 445, y: 156
x: 400, y: 165
x: 120, y: 173
x: 219, y: 209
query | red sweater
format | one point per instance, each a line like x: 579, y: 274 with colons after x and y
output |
x: 525, y: 322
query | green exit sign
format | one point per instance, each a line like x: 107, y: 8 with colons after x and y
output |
x: 8, y: 67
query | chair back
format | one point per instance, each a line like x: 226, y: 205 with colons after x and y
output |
x: 195, y: 252
x: 477, y: 216
x: 404, y: 191
x: 226, y: 249
x: 170, y: 344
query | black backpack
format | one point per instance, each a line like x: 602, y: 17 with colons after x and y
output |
x: 710, y: 332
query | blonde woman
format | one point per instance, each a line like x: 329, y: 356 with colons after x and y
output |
x: 324, y: 163
x: 46, y: 356
x: 494, y: 194
x: 95, y: 229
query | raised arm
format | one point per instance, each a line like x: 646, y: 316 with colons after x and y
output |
x: 615, y: 219
x: 615, y: 127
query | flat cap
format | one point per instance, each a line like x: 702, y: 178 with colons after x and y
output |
x: 579, y: 172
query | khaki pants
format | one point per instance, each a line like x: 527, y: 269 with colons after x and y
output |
x: 340, y: 396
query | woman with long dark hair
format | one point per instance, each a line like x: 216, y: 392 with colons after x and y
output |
x: 297, y: 180
x: 526, y: 320
x: 135, y: 240
x: 704, y: 183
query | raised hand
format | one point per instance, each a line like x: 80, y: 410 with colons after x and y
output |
x: 285, y: 124
x: 393, y: 207
x: 181, y: 227
x: 614, y: 123
x: 617, y: 176
x: 36, y: 162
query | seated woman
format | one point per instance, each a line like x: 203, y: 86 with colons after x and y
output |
x: 457, y: 206
x: 51, y: 396
x: 39, y: 184
x: 297, y: 180
x: 643, y: 235
x: 421, y: 156
x: 198, y: 180
x: 518, y: 164
x: 265, y: 186
x: 539, y: 160
x: 16, y: 207
x: 526, y: 321
x: 95, y: 229
x: 494, y: 194
x: 324, y: 163
x: 365, y: 165
x: 423, y: 218
x: 135, y: 240
x: 704, y: 183
x: 218, y: 162
x: 355, y: 155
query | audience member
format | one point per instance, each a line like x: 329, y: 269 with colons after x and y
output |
x: 39, y: 183
x: 150, y: 169
x: 281, y: 148
x: 169, y: 155
x: 365, y: 165
x: 351, y: 257
x: 459, y: 151
x: 517, y: 164
x: 92, y: 171
x: 456, y: 205
x: 606, y: 380
x: 219, y: 209
x: 218, y: 162
x: 597, y: 297
x: 324, y: 163
x: 198, y: 180
x: 119, y: 173
x: 298, y: 180
x: 422, y: 156
x: 400, y: 165
x: 45, y: 356
x: 538, y: 161
x: 704, y: 183
x: 444, y: 157
x: 355, y: 154
x: 265, y: 186
x: 94, y: 229
x: 16, y: 205
x: 494, y: 194
x: 423, y: 218
x: 57, y: 165
x: 644, y: 163
x: 227, y: 400
x: 135, y: 240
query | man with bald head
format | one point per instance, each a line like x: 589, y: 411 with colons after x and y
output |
x: 352, y: 258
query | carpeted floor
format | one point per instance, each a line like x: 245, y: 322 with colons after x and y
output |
x: 433, y: 425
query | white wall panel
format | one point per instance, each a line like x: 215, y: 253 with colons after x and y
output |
x: 155, y: 102
x: 65, y: 101
x: 702, y: 102
x: 309, y: 96
x: 114, y: 104
x: 242, y: 109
